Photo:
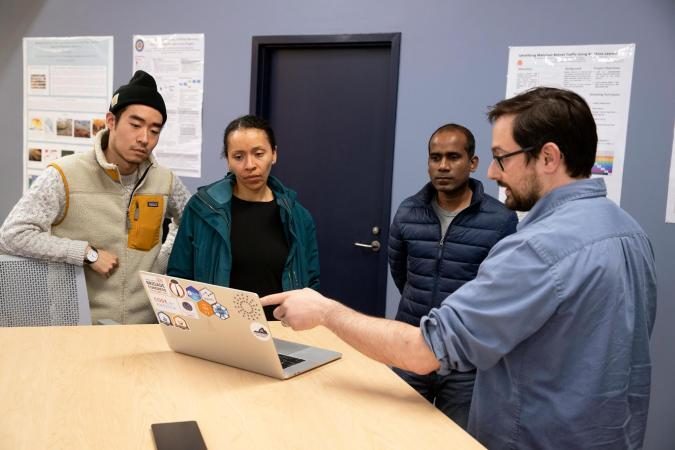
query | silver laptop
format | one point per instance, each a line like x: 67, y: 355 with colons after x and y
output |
x: 227, y: 326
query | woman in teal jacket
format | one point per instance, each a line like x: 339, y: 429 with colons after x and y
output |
x: 247, y: 231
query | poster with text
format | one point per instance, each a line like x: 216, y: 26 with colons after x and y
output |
x: 177, y: 63
x: 602, y: 75
x: 66, y: 91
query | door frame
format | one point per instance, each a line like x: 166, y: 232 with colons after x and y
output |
x: 261, y: 54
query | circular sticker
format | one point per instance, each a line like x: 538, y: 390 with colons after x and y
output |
x: 260, y: 331
x: 246, y: 306
x: 139, y: 45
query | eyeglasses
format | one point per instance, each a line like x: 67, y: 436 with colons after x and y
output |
x: 501, y: 158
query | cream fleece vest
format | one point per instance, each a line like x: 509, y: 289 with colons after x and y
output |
x: 98, y: 210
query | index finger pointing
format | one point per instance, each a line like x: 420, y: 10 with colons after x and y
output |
x: 274, y: 299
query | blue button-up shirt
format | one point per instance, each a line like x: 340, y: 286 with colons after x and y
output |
x: 557, y: 322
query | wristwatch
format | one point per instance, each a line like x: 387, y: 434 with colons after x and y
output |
x: 90, y: 255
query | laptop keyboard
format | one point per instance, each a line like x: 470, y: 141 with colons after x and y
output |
x: 288, y: 361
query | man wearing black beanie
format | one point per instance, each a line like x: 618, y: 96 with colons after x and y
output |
x: 141, y: 90
x: 104, y: 208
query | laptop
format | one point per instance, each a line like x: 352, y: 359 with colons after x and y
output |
x: 227, y: 326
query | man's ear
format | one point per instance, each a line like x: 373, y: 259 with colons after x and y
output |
x: 474, y: 162
x: 551, y: 156
x: 110, y: 120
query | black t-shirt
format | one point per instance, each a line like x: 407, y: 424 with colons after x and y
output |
x: 259, y: 248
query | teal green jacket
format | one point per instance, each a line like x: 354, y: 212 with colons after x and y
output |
x: 202, y: 250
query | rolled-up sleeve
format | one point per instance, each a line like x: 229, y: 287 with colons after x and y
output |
x: 514, y: 293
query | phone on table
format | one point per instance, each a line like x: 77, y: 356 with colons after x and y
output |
x: 178, y: 436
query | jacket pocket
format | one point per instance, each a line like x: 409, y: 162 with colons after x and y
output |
x: 145, y: 218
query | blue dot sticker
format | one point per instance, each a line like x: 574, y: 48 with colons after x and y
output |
x: 187, y: 306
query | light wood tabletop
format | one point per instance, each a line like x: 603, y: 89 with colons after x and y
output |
x: 97, y: 387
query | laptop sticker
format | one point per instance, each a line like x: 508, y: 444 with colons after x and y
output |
x: 260, y: 331
x: 220, y: 311
x: 155, y: 285
x: 208, y: 296
x: 205, y: 308
x: 188, y: 308
x: 246, y: 306
x: 193, y: 293
x: 180, y: 323
x: 176, y: 289
x: 165, y: 303
x: 164, y: 318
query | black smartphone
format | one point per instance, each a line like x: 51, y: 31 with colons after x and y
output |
x: 178, y: 436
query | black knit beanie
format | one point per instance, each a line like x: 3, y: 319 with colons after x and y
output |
x: 141, y: 90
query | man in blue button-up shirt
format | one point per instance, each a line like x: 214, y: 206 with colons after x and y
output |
x: 557, y: 321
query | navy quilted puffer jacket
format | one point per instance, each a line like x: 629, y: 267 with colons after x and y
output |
x: 425, y: 269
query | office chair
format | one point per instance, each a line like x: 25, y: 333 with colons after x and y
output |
x: 39, y: 293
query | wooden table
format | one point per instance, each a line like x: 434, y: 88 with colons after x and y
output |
x: 98, y: 387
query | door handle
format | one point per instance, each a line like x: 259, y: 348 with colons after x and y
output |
x: 374, y: 246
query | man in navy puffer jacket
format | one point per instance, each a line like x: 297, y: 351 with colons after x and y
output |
x: 438, y: 239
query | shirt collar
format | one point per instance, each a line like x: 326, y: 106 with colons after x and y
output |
x: 586, y: 188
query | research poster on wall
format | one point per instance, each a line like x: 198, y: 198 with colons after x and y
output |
x: 670, y: 204
x: 177, y: 63
x: 602, y: 75
x: 66, y: 90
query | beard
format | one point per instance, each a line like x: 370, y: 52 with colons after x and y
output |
x: 525, y: 199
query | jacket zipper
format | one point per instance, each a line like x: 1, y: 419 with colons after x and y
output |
x: 131, y: 197
x: 439, y: 255
x: 439, y: 258
x: 292, y: 275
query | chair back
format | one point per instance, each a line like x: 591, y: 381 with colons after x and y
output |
x: 40, y: 293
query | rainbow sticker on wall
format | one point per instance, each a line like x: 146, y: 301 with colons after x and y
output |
x: 603, y: 165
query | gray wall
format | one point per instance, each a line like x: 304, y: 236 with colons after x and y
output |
x: 453, y: 63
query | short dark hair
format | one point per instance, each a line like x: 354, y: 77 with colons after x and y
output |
x: 545, y: 114
x: 470, y: 145
x: 245, y: 122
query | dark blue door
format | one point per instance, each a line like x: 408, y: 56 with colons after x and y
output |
x: 332, y: 103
